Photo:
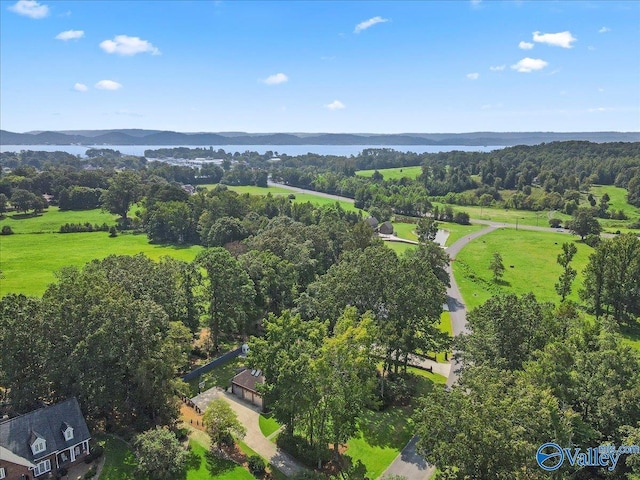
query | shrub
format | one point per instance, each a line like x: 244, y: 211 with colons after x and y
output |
x: 592, y: 240
x: 291, y: 196
x: 256, y: 465
x: 461, y: 217
x: 6, y: 230
x: 83, y: 227
x: 112, y: 232
x: 95, y: 452
x: 635, y: 224
x: 555, y: 222
x: 302, y: 450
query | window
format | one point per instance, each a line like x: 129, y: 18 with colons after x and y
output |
x: 42, y: 467
x: 2, y: 473
x: 40, y: 445
x: 68, y: 433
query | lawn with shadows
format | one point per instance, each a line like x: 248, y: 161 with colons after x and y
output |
x: 382, y: 435
x: 120, y: 462
x: 203, y: 465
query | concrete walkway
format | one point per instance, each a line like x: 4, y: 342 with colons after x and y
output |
x: 249, y: 416
x: 440, y: 368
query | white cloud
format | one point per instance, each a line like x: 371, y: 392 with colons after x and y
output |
x: 491, y: 106
x: 599, y: 109
x: 604, y: 30
x: 80, y: 87
x: 108, y: 85
x: 126, y: 45
x: 525, y: 45
x: 70, y: 35
x: 560, y: 39
x: 497, y: 68
x: 30, y: 8
x: 473, y: 76
x: 335, y: 105
x: 276, y: 79
x: 527, y: 65
x: 369, y: 23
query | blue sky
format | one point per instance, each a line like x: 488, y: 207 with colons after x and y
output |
x: 454, y: 66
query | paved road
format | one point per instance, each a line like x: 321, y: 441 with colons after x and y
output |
x: 457, y: 308
x: 409, y: 464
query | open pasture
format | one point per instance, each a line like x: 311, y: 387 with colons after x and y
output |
x: 394, y: 173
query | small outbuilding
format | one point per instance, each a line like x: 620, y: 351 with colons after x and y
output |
x: 244, y: 385
x: 372, y: 222
x: 386, y: 228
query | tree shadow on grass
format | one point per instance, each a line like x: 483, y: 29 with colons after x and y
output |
x: 23, y: 216
x: 217, y: 465
x: 193, y: 461
x: 387, y: 428
x: 502, y: 283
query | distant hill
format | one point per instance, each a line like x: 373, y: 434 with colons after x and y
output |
x: 168, y: 138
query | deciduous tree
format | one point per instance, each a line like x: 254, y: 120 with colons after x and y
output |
x: 160, y: 455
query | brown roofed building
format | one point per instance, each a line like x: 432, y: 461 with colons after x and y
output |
x: 244, y: 386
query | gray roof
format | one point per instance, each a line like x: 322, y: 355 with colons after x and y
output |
x: 17, y: 434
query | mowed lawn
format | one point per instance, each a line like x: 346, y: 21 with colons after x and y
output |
x: 120, y: 462
x: 618, y: 201
x: 530, y: 261
x: 497, y: 214
x: 394, y: 173
x: 28, y: 261
x: 383, y: 435
x: 52, y: 219
x: 299, y: 197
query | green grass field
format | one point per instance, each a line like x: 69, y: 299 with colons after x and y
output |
x: 268, y: 424
x: 120, y: 462
x: 618, y: 201
x: 203, y: 466
x: 496, y: 214
x: 405, y: 230
x: 52, y: 219
x: 394, y: 173
x: 533, y: 257
x: 299, y: 197
x: 28, y: 261
x: 399, y: 247
x: 218, y: 377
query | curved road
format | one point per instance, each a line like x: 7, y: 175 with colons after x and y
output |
x: 457, y: 308
x: 409, y: 463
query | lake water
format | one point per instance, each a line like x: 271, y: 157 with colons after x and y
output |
x: 291, y: 150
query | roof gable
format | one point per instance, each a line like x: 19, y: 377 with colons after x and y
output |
x: 18, y: 434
